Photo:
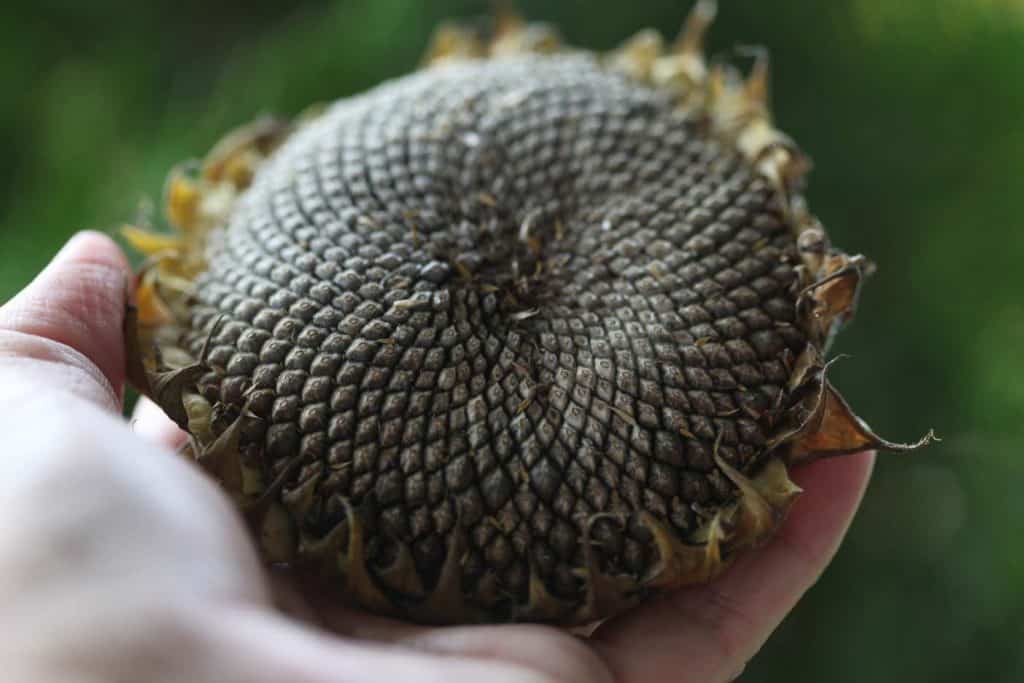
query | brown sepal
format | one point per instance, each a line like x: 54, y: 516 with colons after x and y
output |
x: 775, y: 486
x: 819, y: 423
x: 683, y: 564
x: 167, y: 389
x: 453, y: 42
x: 278, y: 540
x: 605, y: 593
x: 200, y: 417
x: 827, y: 304
x: 402, y: 576
x: 235, y: 157
x: 541, y: 605
x: 300, y: 499
x: 135, y: 366
x: 754, y: 519
x: 359, y: 583
x: 835, y: 430
x: 699, y: 21
x: 223, y: 458
x: 447, y: 601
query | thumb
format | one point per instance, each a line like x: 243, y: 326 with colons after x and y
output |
x: 64, y: 331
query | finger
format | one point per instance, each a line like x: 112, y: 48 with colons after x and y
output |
x: 323, y: 603
x: 550, y: 651
x: 546, y: 650
x: 150, y: 422
x: 72, y: 314
x: 302, y: 653
x: 709, y: 633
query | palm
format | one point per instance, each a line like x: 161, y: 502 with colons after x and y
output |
x: 159, y: 528
x: 703, y: 634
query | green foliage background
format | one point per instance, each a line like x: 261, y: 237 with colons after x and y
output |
x: 914, y: 112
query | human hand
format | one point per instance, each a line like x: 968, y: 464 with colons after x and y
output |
x: 119, y: 561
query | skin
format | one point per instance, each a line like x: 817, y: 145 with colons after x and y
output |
x: 120, y: 561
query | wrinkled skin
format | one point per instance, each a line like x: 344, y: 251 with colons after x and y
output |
x: 120, y: 561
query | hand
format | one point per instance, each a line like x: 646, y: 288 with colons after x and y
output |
x: 120, y: 561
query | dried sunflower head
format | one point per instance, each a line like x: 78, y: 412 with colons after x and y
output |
x: 530, y: 334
